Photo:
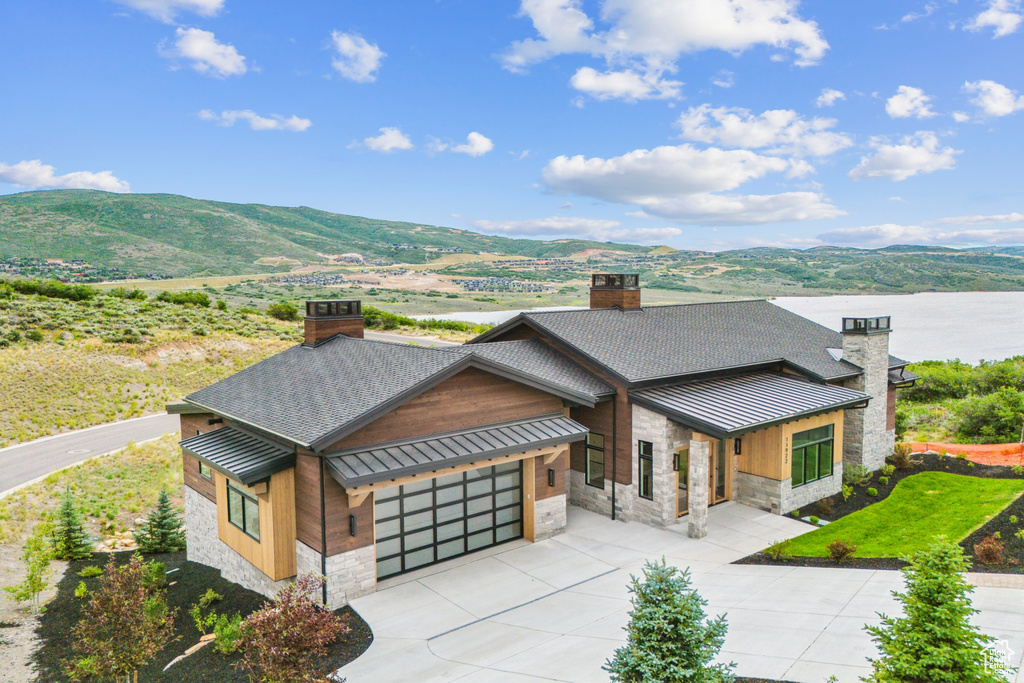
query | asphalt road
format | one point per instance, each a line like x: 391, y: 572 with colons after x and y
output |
x: 29, y: 461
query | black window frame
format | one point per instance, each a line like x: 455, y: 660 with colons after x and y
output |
x: 645, y: 488
x: 594, y: 448
x: 815, y: 446
x: 247, y: 499
x: 208, y: 473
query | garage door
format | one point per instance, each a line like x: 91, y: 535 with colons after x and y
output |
x: 435, y: 520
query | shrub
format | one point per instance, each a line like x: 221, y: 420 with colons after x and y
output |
x: 282, y: 641
x: 778, y: 550
x: 81, y: 590
x: 813, y: 520
x: 989, y: 551
x: 825, y: 506
x: 124, y: 625
x: 847, y: 491
x: 222, y: 305
x: 856, y: 475
x: 34, y: 335
x: 888, y: 470
x: 995, y: 418
x: 1018, y: 470
x: 669, y: 637
x: 185, y: 298
x: 54, y: 289
x: 1019, y: 534
x: 934, y: 640
x: 199, y: 331
x: 203, y: 622
x: 90, y: 571
x: 795, y: 514
x: 1013, y: 519
x: 162, y: 531
x: 210, y: 597
x: 227, y: 633
x: 872, y: 492
x: 125, y: 293
x: 884, y: 481
x: 900, y: 458
x: 839, y: 550
x: 283, y: 311
x: 69, y: 540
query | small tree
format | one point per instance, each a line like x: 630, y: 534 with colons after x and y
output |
x: 36, y: 556
x: 69, y: 540
x: 283, y: 640
x: 669, y: 638
x: 934, y: 642
x: 283, y: 311
x: 162, y: 532
x: 125, y: 624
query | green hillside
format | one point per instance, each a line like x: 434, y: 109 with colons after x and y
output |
x: 161, y: 234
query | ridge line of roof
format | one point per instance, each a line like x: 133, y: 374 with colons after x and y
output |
x: 624, y: 310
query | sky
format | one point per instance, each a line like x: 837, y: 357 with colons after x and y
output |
x: 701, y: 124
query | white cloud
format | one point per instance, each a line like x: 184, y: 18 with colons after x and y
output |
x: 889, y: 233
x: 724, y: 79
x: 389, y: 140
x: 208, y: 56
x: 589, y: 228
x: 476, y: 145
x: 682, y: 183
x: 256, y: 122
x: 647, y: 37
x: 357, y: 59
x: 167, y: 10
x: 1015, y: 217
x: 35, y: 175
x: 1002, y: 15
x: 778, y: 131
x: 917, y: 153
x: 909, y: 102
x: 828, y: 97
x: 927, y: 11
x: 994, y: 98
x: 961, y: 116
x: 625, y: 85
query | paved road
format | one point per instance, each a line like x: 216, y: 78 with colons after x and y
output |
x: 405, y: 339
x: 28, y: 461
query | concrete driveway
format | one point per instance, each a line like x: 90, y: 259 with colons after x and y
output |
x: 555, y: 610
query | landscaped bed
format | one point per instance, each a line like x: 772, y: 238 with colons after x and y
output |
x: 185, y: 587
x: 936, y: 496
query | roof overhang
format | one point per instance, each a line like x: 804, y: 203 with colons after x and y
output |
x: 725, y: 407
x: 901, y: 378
x: 383, y: 462
x: 239, y: 454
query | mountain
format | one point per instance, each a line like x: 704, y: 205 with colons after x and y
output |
x: 171, y: 235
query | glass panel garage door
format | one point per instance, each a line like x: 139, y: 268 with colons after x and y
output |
x: 435, y: 520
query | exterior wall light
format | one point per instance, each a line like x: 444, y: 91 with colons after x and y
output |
x: 353, y: 525
x: 551, y: 476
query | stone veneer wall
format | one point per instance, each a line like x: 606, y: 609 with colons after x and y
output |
x: 349, y: 575
x: 599, y: 500
x: 666, y: 437
x: 549, y: 517
x: 866, y: 440
x: 779, y: 496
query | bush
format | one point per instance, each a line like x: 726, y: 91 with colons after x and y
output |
x: 669, y: 637
x: 1017, y: 469
x: 162, y: 532
x: 813, y: 520
x: 872, y: 492
x: 69, y: 540
x: 856, y: 475
x: 222, y: 305
x: 795, y: 514
x: 156, y: 575
x: 227, y: 633
x: 888, y: 470
x: 282, y: 641
x: 884, y: 481
x: 210, y: 597
x: 935, y: 640
x: 54, y: 289
x: 839, y: 550
x: 90, y: 571
x: 847, y: 491
x: 989, y: 551
x: 825, y: 506
x: 34, y: 335
x: 1013, y: 519
x: 81, y: 590
x: 995, y: 418
x: 185, y: 298
x: 900, y: 458
x: 125, y: 293
x: 778, y: 550
x: 283, y: 311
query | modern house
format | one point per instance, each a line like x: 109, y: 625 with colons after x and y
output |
x: 362, y: 459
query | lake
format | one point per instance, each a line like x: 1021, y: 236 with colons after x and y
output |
x: 970, y: 326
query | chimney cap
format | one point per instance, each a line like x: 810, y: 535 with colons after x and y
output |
x: 323, y: 309
x: 615, y: 281
x: 876, y: 325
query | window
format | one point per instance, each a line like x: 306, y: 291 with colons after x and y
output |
x: 244, y: 511
x: 812, y: 454
x: 646, y: 478
x: 204, y: 470
x: 595, y: 460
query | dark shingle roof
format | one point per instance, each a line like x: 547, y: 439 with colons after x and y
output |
x: 727, y: 406
x: 383, y: 462
x: 668, y: 341
x: 239, y: 454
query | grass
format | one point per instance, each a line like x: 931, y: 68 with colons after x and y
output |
x: 111, y: 490
x: 919, y: 509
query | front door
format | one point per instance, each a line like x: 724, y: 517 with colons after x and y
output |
x: 717, y: 470
x: 682, y: 482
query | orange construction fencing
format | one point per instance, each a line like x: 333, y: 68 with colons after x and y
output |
x: 981, y: 453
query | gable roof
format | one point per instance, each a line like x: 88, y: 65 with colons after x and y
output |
x: 659, y: 342
x: 313, y: 396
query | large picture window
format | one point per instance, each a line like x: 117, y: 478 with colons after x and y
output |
x: 645, y: 449
x: 595, y: 460
x: 812, y: 454
x: 244, y: 511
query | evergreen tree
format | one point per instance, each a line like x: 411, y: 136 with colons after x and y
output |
x: 69, y: 540
x: 669, y: 639
x: 162, y: 531
x: 934, y: 642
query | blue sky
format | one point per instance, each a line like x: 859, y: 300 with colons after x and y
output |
x: 696, y: 123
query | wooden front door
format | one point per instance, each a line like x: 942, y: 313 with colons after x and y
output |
x: 717, y: 472
x: 682, y: 482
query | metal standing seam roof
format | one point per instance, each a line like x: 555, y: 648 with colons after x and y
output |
x: 900, y: 376
x: 239, y: 454
x: 729, y: 406
x: 386, y: 461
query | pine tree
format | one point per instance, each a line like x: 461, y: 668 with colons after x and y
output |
x: 669, y: 638
x: 162, y: 531
x: 934, y: 642
x: 69, y: 540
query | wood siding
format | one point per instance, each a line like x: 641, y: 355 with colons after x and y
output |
x: 890, y: 409
x: 768, y: 452
x: 191, y: 425
x: 274, y: 553
x: 317, y: 330
x: 559, y: 465
x: 307, y: 508
x: 608, y: 298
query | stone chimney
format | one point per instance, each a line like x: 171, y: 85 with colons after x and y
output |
x: 327, y: 318
x: 615, y: 290
x: 867, y: 438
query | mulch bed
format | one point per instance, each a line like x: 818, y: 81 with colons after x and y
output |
x: 185, y: 588
x: 834, y: 508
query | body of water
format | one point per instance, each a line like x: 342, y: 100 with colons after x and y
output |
x: 970, y: 326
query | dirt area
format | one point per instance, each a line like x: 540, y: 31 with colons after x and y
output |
x: 983, y: 454
x: 18, y: 624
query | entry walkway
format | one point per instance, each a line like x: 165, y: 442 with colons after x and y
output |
x: 555, y: 610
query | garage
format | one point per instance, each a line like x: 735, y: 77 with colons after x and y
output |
x: 425, y: 522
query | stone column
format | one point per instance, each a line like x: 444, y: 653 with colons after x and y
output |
x: 697, y: 495
x: 866, y: 441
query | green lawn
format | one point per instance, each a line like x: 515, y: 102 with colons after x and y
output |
x: 919, y: 509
